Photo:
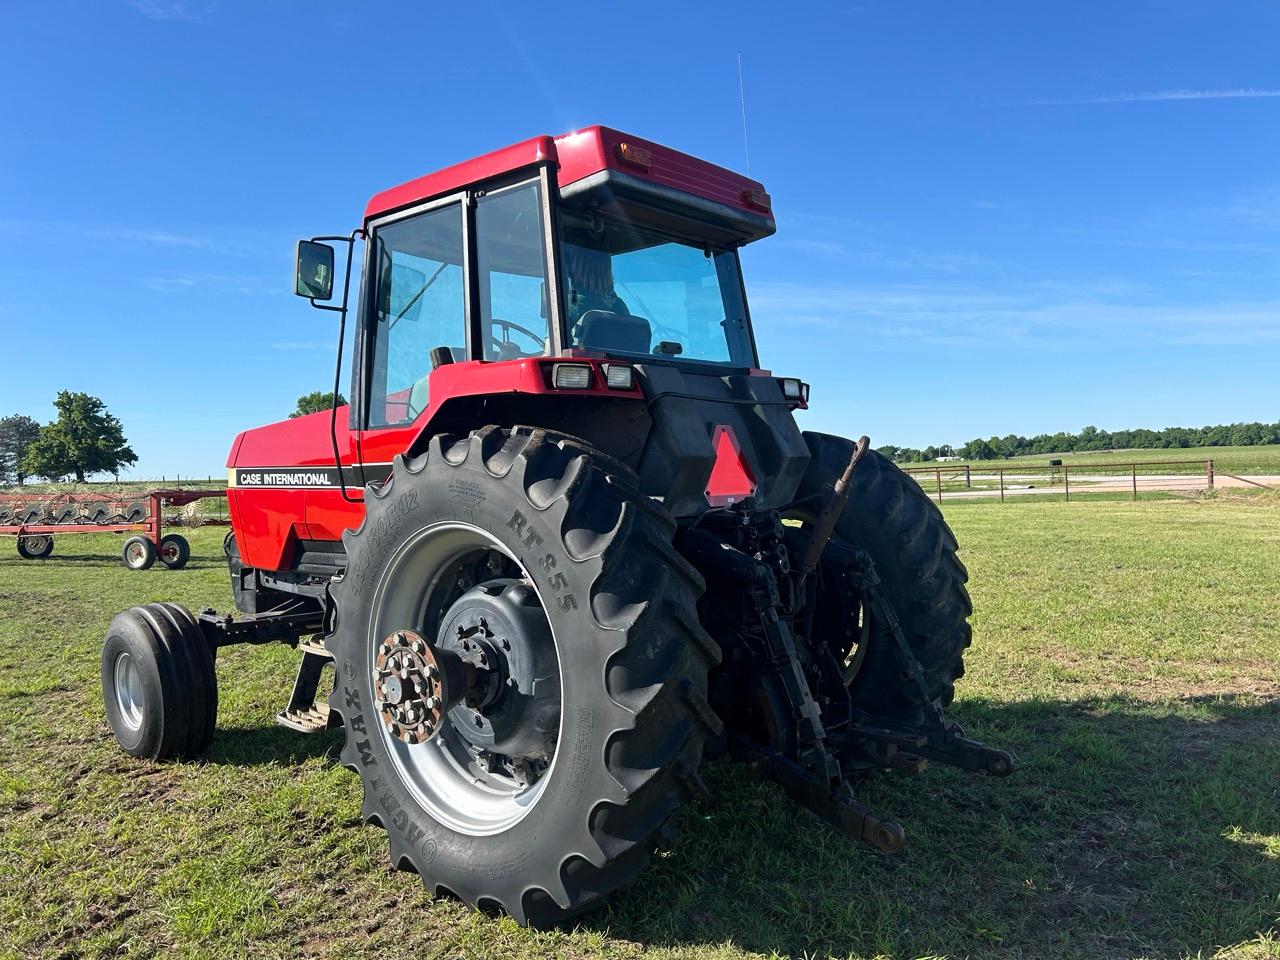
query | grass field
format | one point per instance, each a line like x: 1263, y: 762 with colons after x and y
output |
x: 1128, y: 654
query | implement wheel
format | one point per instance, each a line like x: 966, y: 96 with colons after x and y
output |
x: 522, y: 675
x: 35, y: 547
x: 174, y: 551
x: 914, y: 551
x: 158, y: 682
x: 138, y: 553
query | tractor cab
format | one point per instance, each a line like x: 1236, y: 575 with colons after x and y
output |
x: 519, y: 286
x: 594, y: 241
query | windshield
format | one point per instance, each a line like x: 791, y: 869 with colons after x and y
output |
x: 630, y: 290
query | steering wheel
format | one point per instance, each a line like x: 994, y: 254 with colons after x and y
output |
x: 507, y: 328
x: 663, y: 333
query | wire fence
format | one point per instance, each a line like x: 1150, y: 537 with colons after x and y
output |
x: 974, y: 480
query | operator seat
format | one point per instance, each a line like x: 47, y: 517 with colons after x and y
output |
x: 419, y: 394
x: 625, y: 332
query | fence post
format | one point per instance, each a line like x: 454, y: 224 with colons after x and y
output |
x: 968, y: 480
x: 1001, y: 471
x: 938, y: 474
x: 1209, y: 473
x: 1066, y: 478
x: 1135, y: 480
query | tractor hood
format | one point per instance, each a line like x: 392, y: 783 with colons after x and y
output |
x: 300, y: 444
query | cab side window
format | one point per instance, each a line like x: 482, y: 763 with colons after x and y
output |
x: 418, y: 305
x: 511, y: 262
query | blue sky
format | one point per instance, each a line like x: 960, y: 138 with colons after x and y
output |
x: 992, y: 218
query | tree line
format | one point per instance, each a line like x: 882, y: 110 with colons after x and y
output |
x: 83, y: 440
x: 1091, y: 438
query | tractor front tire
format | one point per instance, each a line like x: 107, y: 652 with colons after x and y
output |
x: 158, y: 682
x: 890, y: 517
x: 573, y: 547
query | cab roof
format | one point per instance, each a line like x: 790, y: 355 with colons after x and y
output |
x: 595, y: 154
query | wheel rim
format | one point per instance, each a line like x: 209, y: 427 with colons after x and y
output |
x: 169, y: 552
x: 37, y: 544
x: 136, y: 553
x: 444, y: 773
x: 128, y: 683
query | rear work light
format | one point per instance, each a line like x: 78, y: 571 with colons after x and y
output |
x: 794, y: 389
x: 758, y: 199
x: 571, y: 376
x: 618, y: 376
x: 635, y: 155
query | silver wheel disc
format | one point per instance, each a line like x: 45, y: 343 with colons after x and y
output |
x: 128, y: 683
x: 442, y: 773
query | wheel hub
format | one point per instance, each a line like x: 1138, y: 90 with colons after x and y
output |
x: 513, y: 710
x: 415, y: 684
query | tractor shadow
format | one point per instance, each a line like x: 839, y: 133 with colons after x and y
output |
x: 1129, y: 828
x: 271, y: 744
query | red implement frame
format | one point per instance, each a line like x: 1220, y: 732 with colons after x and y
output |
x: 151, y: 527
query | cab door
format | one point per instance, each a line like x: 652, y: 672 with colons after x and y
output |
x: 418, y: 302
x: 413, y: 299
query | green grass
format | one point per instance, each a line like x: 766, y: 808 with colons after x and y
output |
x: 1126, y: 652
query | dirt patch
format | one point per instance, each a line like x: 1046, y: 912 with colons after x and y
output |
x: 1147, y: 679
x: 1194, y: 743
x: 1091, y: 871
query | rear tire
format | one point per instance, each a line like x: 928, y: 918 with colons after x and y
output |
x: 174, y: 551
x: 138, y: 553
x: 158, y: 682
x: 633, y: 663
x: 35, y: 547
x: 890, y: 517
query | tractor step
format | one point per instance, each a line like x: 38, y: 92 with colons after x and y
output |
x: 316, y: 647
x: 303, y: 713
x: 306, y: 720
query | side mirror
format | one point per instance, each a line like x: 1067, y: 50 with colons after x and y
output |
x: 313, y: 274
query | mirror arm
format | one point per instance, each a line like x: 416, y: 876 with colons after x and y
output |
x: 350, y: 241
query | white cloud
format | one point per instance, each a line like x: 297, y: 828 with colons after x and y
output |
x: 1235, y: 93
x: 171, y: 10
x: 242, y: 283
x: 62, y: 232
x: 1039, y: 315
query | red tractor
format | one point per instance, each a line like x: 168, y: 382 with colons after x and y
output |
x: 567, y: 542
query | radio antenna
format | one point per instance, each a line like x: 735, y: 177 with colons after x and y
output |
x: 742, y: 100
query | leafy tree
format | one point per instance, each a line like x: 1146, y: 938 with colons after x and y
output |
x: 85, y: 439
x: 17, y: 433
x: 315, y: 402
